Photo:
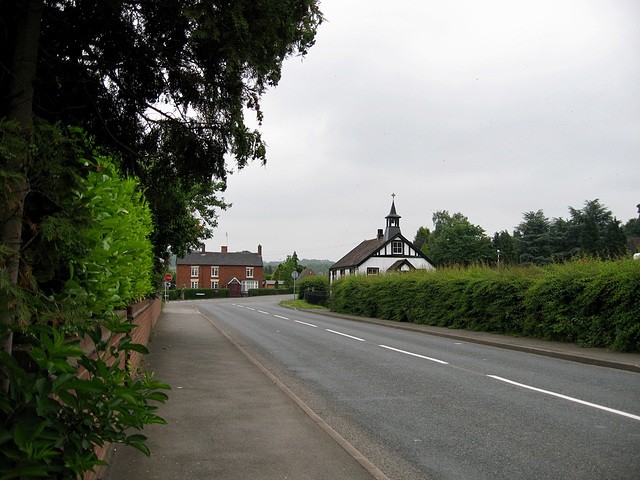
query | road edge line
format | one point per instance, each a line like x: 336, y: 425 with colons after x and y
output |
x: 350, y: 449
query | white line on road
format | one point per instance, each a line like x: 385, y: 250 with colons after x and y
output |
x: 305, y: 323
x: 565, y: 397
x: 280, y: 316
x: 345, y: 335
x: 414, y: 354
x: 266, y: 313
x: 249, y: 308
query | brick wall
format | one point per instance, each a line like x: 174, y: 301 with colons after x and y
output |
x: 145, y: 315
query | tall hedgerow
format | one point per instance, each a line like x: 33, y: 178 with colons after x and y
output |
x: 591, y: 302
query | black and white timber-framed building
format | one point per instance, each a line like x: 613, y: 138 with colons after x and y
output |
x: 390, y: 251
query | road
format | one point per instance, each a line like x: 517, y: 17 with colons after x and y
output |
x: 420, y: 406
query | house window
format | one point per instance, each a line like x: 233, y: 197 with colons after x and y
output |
x: 194, y: 283
x: 249, y: 285
x: 214, y: 285
x: 249, y: 272
x: 396, y: 247
x: 195, y: 271
x: 215, y: 272
x: 373, y: 270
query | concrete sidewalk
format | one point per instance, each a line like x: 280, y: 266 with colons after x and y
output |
x: 226, y: 418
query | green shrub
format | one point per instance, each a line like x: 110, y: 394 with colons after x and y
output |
x: 264, y: 292
x: 85, y: 253
x: 318, y: 283
x: 115, y: 267
x: 591, y: 302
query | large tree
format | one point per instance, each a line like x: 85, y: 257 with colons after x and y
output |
x: 163, y: 85
x: 598, y: 231
x: 456, y: 241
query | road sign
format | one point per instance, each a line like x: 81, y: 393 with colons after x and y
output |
x: 167, y: 284
x: 294, y: 274
x: 168, y: 277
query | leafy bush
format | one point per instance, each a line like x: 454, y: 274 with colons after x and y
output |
x: 85, y: 252
x: 263, y: 292
x: 590, y: 302
x: 318, y: 283
x: 115, y: 267
x: 51, y: 419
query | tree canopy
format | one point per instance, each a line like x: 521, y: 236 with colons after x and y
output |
x: 590, y: 231
x: 165, y: 86
x: 455, y: 240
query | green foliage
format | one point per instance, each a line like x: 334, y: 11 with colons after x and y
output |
x: 284, y: 270
x: 51, y: 418
x: 455, y: 241
x: 591, y: 302
x: 301, y: 304
x: 109, y: 65
x: 632, y: 228
x: 116, y: 265
x: 317, y: 283
x: 85, y: 252
x: 264, y: 292
x: 591, y: 231
x: 422, y: 237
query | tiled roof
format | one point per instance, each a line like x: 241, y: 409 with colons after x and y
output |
x: 241, y: 259
x: 359, y: 254
x: 399, y: 263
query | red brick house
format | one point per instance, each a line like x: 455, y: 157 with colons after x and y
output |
x: 237, y: 271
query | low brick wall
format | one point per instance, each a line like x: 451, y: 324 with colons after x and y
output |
x: 145, y: 315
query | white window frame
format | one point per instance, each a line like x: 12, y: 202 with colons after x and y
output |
x: 215, y: 272
x: 249, y: 272
x: 394, y: 249
x: 194, y: 284
x: 249, y: 285
x: 195, y: 271
x: 373, y: 271
x: 215, y: 285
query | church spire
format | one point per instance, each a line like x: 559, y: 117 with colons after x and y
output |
x: 393, y: 220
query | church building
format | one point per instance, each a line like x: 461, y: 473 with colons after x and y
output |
x: 390, y: 251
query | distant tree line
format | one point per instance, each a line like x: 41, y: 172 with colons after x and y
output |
x: 537, y: 240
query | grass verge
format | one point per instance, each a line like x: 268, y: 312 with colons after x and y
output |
x: 300, y: 304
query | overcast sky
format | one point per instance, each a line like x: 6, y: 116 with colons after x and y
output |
x: 489, y: 108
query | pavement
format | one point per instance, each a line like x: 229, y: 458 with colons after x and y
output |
x: 230, y: 418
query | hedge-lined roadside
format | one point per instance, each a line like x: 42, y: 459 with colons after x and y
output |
x: 590, y: 302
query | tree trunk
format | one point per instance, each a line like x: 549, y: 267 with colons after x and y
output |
x: 20, y: 109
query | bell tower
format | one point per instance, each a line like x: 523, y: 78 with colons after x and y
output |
x: 393, y: 220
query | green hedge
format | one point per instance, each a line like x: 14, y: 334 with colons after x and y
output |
x: 262, y: 292
x: 194, y: 293
x: 317, y: 283
x: 589, y: 302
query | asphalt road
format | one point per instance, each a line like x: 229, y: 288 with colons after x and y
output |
x: 421, y: 406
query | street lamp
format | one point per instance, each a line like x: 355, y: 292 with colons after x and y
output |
x: 498, y: 258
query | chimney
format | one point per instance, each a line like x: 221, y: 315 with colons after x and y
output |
x: 223, y: 249
x: 203, y: 248
x: 380, y: 234
x: 260, y: 250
